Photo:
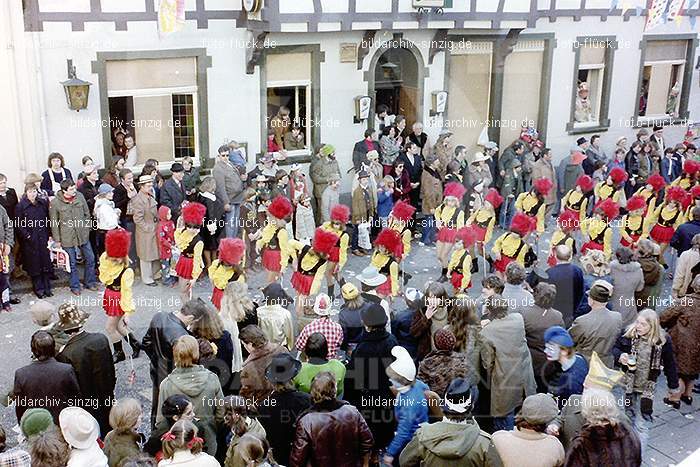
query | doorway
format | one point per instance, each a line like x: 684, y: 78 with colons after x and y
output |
x: 397, y: 83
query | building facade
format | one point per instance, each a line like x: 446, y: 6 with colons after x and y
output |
x: 226, y: 73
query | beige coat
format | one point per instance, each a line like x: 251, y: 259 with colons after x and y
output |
x: 683, y: 275
x: 430, y: 191
x: 512, y: 444
x: 145, y: 211
x: 597, y: 331
x: 544, y: 169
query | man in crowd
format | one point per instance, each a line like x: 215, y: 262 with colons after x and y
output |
x: 323, y: 170
x: 173, y: 192
x: 229, y: 190
x: 568, y: 279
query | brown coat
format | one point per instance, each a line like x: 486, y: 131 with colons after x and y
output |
x: 440, y: 367
x: 683, y: 324
x: 544, y: 169
x: 145, y: 209
x: 361, y: 212
x: 430, y: 192
x: 604, y: 445
x: 254, y: 385
x: 683, y: 275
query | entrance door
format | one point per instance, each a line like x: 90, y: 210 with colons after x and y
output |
x: 396, y: 83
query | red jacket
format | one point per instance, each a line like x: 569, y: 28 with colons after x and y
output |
x: 166, y: 233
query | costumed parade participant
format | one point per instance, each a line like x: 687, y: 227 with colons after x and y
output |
x: 449, y: 217
x: 666, y: 218
x: 460, y: 267
x: 274, y: 241
x: 482, y: 222
x: 576, y: 200
x: 400, y: 220
x: 613, y: 187
x: 688, y: 178
x: 597, y: 230
x: 310, y: 265
x: 695, y: 202
x: 340, y: 215
x: 386, y: 257
x: 228, y: 267
x: 633, y: 222
x: 567, y: 222
x: 650, y: 191
x: 511, y: 246
x: 532, y: 203
x: 190, y: 264
x: 117, y: 300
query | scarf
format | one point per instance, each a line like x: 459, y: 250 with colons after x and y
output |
x: 647, y: 399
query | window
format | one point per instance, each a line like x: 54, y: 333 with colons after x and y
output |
x: 590, y: 75
x: 662, y: 78
x: 294, y: 98
x: 155, y: 101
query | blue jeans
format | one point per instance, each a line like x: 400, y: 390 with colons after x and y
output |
x: 231, y: 228
x: 165, y: 272
x: 353, y: 238
x: 504, y: 423
x: 507, y: 210
x: 428, y: 225
x: 89, y: 277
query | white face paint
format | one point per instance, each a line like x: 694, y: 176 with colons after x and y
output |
x: 552, y: 351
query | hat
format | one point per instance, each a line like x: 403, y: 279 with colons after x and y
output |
x: 444, y: 339
x: 267, y: 157
x: 455, y: 190
x: 493, y: 197
x: 491, y: 145
x: 35, y: 421
x: 403, y: 211
x: 373, y: 154
x: 542, y: 186
x: 176, y: 167
x: 658, y: 127
x: 539, y: 409
x: 370, y: 276
x: 413, y: 297
x: 577, y: 157
x: 117, y: 243
x: 559, y: 336
x: 231, y: 250
x: 522, y: 224
x: 349, y: 291
x: 104, y: 188
x: 323, y: 305
x: 324, y: 241
x: 261, y: 178
x: 568, y: 221
x: 656, y: 181
x: 594, y: 262
x: 620, y: 140
x: 618, y: 175
x: 601, y: 291
x: 695, y: 192
x: 608, y: 208
x: 193, y: 213
x: 479, y: 157
x: 373, y: 316
x: 363, y: 174
x: 391, y: 240
x: 280, y: 207
x: 403, y: 365
x: 340, y: 213
x: 70, y: 317
x: 79, y: 428
x: 635, y: 203
x: 32, y: 178
x: 460, y: 397
x: 327, y: 149
x: 275, y: 292
x: 690, y: 166
x: 581, y: 140
x: 600, y: 376
x: 41, y: 311
x: 282, y: 368
x: 145, y: 179
x: 676, y: 193
x: 466, y: 235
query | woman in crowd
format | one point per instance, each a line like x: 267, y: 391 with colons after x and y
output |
x: 647, y: 256
x: 213, y: 219
x: 190, y: 181
x: 33, y: 232
x: 111, y: 175
x: 402, y: 182
x: 390, y: 144
x: 52, y: 177
x: 124, y: 441
x: 627, y: 280
x: 174, y: 408
x: 444, y: 364
x: 238, y: 420
x: 211, y: 328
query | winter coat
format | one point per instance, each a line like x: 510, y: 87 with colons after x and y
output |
x: 627, y: 279
x: 683, y: 237
x: 52, y: 188
x: 90, y: 355
x: 445, y: 155
x: 476, y: 175
x: 89, y: 191
x: 390, y: 149
x: 401, y: 329
x: 33, y: 234
x: 106, y: 214
x: 278, y: 415
x: 364, y: 207
x: 604, y: 445
x: 506, y: 359
x: 172, y: 195
x: 411, y: 410
x: 537, y: 320
x: 9, y: 201
x: 430, y: 191
x: 321, y: 170
x: 90, y: 457
x: 544, y: 169
x: 385, y: 202
x: 360, y: 150
x: 229, y: 186
x: 145, y: 211
x: 450, y: 444
x: 330, y: 198
x: 682, y: 321
x: 254, y: 385
x: 332, y: 433
x: 163, y: 331
x: 305, y: 223
x: 203, y: 389
x: 567, y: 174
x: 440, y: 367
x: 215, y: 217
x: 191, y: 179
x: 276, y: 322
x: 50, y: 381
x: 597, y: 331
x: 653, y: 280
x: 683, y: 275
x: 185, y: 458
x: 120, y: 446
x: 568, y: 279
x: 70, y: 221
x: 511, y: 445
x: 166, y: 234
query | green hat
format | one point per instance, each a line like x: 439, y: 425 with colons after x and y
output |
x: 327, y: 149
x: 35, y: 421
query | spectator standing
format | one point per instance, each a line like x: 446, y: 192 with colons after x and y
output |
x: 33, y: 232
x: 323, y: 170
x: 145, y: 211
x: 261, y: 351
x: 214, y: 219
x: 123, y: 194
x: 173, y: 192
x: 444, y: 364
x: 124, y: 441
x: 330, y: 197
x: 420, y: 139
x: 413, y: 164
x: 166, y: 240
x: 229, y: 190
x: 364, y: 210
x: 80, y: 430
x: 359, y: 152
x: 182, y: 447
x: 111, y: 173
x: 132, y: 152
x: 106, y: 216
x: 390, y: 144
x: 568, y: 280
x: 57, y: 172
x: 543, y: 168
x: 627, y: 280
x: 330, y: 329
x: 647, y: 255
x: 515, y: 292
x: 565, y: 370
x: 684, y: 234
x: 316, y: 351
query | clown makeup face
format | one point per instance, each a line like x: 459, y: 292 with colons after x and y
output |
x: 337, y: 225
x: 552, y: 351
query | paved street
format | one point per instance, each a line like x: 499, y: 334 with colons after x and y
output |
x: 673, y: 437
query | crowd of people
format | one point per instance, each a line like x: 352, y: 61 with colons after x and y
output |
x: 558, y: 355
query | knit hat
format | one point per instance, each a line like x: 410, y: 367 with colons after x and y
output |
x: 542, y: 186
x: 601, y: 291
x: 585, y: 182
x: 444, y: 339
x: 656, y: 181
x: 324, y: 241
x: 193, y: 213
x: 231, y: 250
x: 349, y: 291
x: 41, y: 312
x: 70, y: 317
x: 413, y: 297
x: 280, y: 207
x: 104, y: 188
x: 327, y: 149
x: 79, y: 428
x: 493, y: 197
x: 539, y: 409
x: 340, y: 213
x: 117, y: 243
x: 559, y: 336
x: 373, y: 316
x: 403, y: 365
x: 636, y: 203
x: 403, y: 211
x: 455, y: 190
x: 460, y: 397
x: 35, y: 421
x: 600, y: 376
x: 323, y: 305
x: 618, y: 175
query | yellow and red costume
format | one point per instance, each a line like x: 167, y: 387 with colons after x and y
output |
x: 312, y: 261
x: 450, y: 218
x: 459, y: 268
x: 532, y: 202
x: 227, y: 268
x: 633, y: 222
x: 650, y: 192
x: 688, y: 178
x: 274, y: 239
x: 339, y: 253
x: 511, y: 245
x: 567, y: 222
x: 386, y: 260
x: 576, y: 200
x: 399, y: 220
x: 483, y: 219
x: 612, y: 188
x: 597, y: 228
x: 695, y: 195
x: 116, y: 274
x: 663, y: 222
x: 189, y: 265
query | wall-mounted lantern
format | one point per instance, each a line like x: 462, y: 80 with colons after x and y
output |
x: 439, y: 103
x: 363, y: 104
x: 77, y: 90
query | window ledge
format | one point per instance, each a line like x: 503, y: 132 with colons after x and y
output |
x: 574, y: 128
x: 300, y: 156
x: 641, y: 122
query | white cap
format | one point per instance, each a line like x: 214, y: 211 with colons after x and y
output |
x: 403, y: 365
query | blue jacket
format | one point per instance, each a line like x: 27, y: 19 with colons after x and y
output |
x: 684, y: 235
x: 401, y: 329
x: 411, y: 410
x: 565, y: 383
x: 676, y: 169
x: 385, y: 203
x: 568, y: 278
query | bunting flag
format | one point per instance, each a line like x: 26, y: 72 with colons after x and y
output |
x: 674, y: 11
x: 692, y: 19
x: 613, y: 5
x: 656, y: 14
x: 171, y: 16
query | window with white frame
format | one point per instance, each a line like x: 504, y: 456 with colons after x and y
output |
x: 155, y: 100
x: 590, y: 79
x: 662, y: 78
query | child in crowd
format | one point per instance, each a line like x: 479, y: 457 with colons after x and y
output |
x: 340, y: 215
x: 226, y: 268
x: 385, y: 200
x: 124, y: 441
x: 597, y: 230
x: 459, y: 269
x: 249, y: 225
x: 310, y: 263
x: 182, y: 446
x: 304, y: 219
x: 274, y: 239
x: 166, y: 243
x: 190, y: 264
x: 106, y: 215
x: 364, y: 208
x: 386, y: 257
x: 567, y: 222
x: 633, y: 222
